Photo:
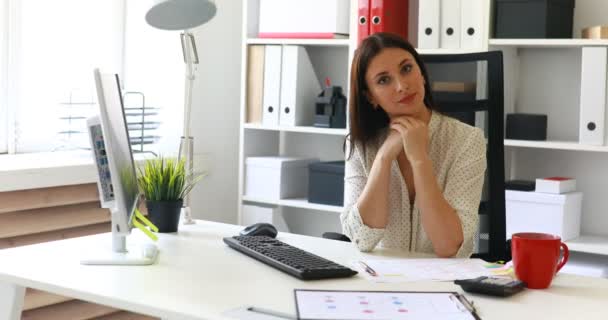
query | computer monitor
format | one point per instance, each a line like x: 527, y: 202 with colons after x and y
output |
x: 117, y: 179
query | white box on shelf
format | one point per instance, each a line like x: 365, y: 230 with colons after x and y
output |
x: 274, y: 178
x: 555, y: 185
x: 269, y: 214
x: 320, y: 19
x: 558, y: 214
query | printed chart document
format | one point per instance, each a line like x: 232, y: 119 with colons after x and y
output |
x: 363, y: 305
x: 440, y: 269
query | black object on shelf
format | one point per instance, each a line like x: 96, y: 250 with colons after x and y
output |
x: 330, y: 108
x: 520, y: 185
x: 526, y: 126
x: 534, y: 18
x: 326, y: 183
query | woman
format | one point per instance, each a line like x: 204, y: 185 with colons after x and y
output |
x: 413, y: 176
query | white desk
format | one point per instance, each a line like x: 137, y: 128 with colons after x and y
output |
x: 199, y: 277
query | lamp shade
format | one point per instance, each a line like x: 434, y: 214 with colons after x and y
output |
x: 180, y: 14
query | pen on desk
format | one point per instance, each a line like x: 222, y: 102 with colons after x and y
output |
x: 270, y: 313
x: 368, y: 269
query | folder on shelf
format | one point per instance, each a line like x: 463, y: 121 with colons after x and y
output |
x: 593, y: 95
x: 450, y: 24
x: 363, y: 20
x: 299, y: 88
x: 389, y: 16
x: 255, y: 83
x: 272, y: 85
x: 425, y: 16
x: 471, y: 30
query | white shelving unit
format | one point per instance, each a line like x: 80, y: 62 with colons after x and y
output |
x: 301, y: 203
x: 302, y: 129
x: 589, y: 244
x: 556, y: 145
x: 330, y: 58
x: 302, y: 42
x: 543, y: 76
x: 548, y: 43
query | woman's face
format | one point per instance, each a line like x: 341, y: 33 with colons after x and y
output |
x: 396, y: 84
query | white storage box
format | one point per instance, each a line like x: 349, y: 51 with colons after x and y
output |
x: 319, y: 19
x: 255, y: 214
x: 558, y: 214
x: 275, y: 178
x: 555, y: 185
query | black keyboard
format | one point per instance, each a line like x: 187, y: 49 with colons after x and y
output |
x: 296, y: 262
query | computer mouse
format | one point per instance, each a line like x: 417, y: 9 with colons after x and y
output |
x: 260, y: 229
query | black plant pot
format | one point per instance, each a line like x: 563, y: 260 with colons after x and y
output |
x: 165, y: 214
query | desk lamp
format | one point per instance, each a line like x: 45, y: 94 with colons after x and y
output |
x: 184, y: 15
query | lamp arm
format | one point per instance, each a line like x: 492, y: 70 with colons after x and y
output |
x: 187, y: 141
x: 191, y: 59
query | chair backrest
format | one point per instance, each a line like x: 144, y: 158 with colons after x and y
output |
x: 469, y: 87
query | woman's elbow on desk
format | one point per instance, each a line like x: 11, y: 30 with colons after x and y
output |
x: 363, y: 246
x: 447, y: 251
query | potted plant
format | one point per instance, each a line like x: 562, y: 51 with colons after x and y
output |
x: 164, y: 183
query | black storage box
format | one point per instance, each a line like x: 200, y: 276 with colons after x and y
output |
x: 523, y: 126
x: 326, y: 183
x: 520, y: 185
x: 533, y: 18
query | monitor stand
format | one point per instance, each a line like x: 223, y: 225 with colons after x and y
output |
x: 137, y: 255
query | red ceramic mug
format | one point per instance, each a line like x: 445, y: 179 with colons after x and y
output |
x: 536, y: 257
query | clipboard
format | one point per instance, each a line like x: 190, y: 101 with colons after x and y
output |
x: 363, y: 305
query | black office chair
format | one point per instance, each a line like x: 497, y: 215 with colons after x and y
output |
x: 483, y: 107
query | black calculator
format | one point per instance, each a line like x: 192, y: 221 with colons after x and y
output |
x: 493, y: 286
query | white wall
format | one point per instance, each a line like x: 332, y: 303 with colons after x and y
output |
x: 215, y: 113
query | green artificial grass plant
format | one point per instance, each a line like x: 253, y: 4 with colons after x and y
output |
x: 166, y: 179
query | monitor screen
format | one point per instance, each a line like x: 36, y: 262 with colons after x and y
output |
x: 118, y: 149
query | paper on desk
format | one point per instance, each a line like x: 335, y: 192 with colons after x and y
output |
x: 438, y: 269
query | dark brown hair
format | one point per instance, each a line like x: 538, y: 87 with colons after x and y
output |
x: 366, y: 122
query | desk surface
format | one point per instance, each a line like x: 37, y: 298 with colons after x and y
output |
x: 199, y: 277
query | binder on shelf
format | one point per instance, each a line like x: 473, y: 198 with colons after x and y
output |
x: 426, y: 21
x: 320, y: 19
x: 255, y: 83
x: 471, y: 27
x: 450, y: 24
x: 363, y: 21
x: 389, y: 16
x: 593, y: 95
x: 272, y: 85
x: 299, y: 88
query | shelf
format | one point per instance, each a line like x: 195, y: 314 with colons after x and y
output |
x: 589, y: 244
x: 548, y: 43
x: 303, y: 42
x: 449, y: 51
x: 558, y: 145
x: 296, y: 203
x: 303, y: 129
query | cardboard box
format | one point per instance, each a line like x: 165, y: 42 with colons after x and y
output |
x: 274, y: 178
x: 596, y: 32
x: 558, y: 214
x: 304, y: 19
x: 555, y: 185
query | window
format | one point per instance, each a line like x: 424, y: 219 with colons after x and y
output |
x: 3, y: 77
x: 48, y: 52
